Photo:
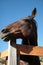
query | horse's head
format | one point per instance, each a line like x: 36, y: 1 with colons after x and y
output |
x: 25, y: 27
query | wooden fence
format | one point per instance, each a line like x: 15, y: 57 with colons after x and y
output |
x: 15, y: 51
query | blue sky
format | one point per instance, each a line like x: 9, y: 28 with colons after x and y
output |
x: 13, y: 10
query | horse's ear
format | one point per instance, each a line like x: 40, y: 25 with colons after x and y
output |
x: 33, y: 13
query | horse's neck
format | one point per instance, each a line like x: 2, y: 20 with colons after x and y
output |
x: 30, y: 42
x: 33, y: 41
x: 25, y: 41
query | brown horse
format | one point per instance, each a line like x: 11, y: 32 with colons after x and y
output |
x: 26, y: 29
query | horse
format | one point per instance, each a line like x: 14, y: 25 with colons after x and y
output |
x: 26, y: 29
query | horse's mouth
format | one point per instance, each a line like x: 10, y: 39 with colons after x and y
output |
x: 4, y: 36
x: 9, y: 36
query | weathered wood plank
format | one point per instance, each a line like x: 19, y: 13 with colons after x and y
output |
x: 30, y: 50
x: 12, y: 54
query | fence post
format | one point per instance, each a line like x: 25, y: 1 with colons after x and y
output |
x: 12, y: 53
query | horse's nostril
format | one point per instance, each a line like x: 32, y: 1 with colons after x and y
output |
x: 5, y: 30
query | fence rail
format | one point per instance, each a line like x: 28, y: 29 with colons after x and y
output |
x: 30, y: 50
x: 26, y: 50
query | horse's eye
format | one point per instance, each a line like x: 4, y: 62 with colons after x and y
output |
x: 30, y: 26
